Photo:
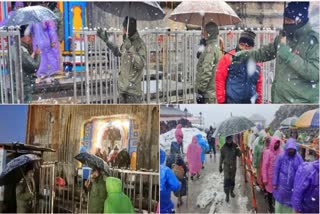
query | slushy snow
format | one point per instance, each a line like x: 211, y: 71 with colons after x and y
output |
x: 167, y: 138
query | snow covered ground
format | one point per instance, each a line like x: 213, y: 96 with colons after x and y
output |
x: 168, y: 137
x: 206, y: 194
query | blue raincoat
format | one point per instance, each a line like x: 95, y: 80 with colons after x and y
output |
x: 204, y: 146
x: 285, y: 169
x: 168, y: 183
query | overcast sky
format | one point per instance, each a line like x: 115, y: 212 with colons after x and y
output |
x: 13, y: 123
x: 217, y: 113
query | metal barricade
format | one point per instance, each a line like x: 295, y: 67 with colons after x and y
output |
x: 46, y: 188
x: 61, y: 188
x: 170, y: 69
x: 11, y: 78
x: 142, y: 187
x: 95, y: 69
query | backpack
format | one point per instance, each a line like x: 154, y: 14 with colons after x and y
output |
x: 240, y: 87
x: 178, y: 170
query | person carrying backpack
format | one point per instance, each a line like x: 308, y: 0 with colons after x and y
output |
x: 239, y: 82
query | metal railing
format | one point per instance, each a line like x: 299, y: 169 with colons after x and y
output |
x: 168, y: 75
x: 142, y: 187
x: 170, y: 69
x: 11, y: 78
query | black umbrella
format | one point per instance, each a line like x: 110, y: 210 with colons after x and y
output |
x: 13, y: 171
x: 232, y: 126
x: 92, y: 161
x: 31, y: 14
x: 144, y: 10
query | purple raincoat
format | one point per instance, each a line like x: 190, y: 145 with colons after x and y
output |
x: 305, y: 195
x: 43, y: 35
x: 285, y: 169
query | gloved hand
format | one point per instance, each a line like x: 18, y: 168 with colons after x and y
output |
x: 220, y: 169
x: 198, y: 54
x: 102, y: 33
x: 200, y: 97
x: 203, y: 42
x: 127, y: 44
x: 240, y: 56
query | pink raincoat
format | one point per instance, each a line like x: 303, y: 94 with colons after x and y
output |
x: 268, y: 162
x: 43, y: 35
x: 179, y: 134
x: 194, y: 156
x: 259, y: 177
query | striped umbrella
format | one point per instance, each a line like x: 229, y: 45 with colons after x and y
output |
x: 309, y: 119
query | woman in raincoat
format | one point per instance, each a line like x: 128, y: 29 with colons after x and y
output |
x: 44, y: 36
x: 259, y: 174
x: 175, y: 158
x: 204, y: 148
x: 194, y: 158
x: 305, y: 195
x: 168, y: 183
x: 258, y: 147
x: 284, y: 172
x: 117, y: 201
x: 269, y: 158
x: 179, y: 136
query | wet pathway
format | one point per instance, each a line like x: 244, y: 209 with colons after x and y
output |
x: 206, y: 194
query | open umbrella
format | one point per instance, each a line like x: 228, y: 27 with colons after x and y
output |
x: 309, y: 119
x: 13, y: 170
x: 92, y: 161
x: 199, y: 13
x: 31, y: 14
x: 232, y: 126
x: 144, y: 10
x: 288, y: 122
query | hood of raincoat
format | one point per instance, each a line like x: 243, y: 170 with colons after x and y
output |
x: 113, y: 185
x: 305, y: 196
x: 273, y: 141
x: 199, y: 137
x: 162, y: 156
x: 179, y: 134
x: 291, y: 144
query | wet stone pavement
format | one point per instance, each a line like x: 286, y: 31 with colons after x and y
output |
x: 206, y: 194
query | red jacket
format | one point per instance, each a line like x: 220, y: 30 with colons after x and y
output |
x: 222, y: 74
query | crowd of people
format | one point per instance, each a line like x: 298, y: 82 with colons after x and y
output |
x: 222, y: 77
x: 114, y: 158
x: 105, y: 193
x: 289, y: 183
x: 235, y: 77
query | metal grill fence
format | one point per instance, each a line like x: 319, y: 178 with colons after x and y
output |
x: 11, y: 78
x: 142, y: 188
x: 168, y: 75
